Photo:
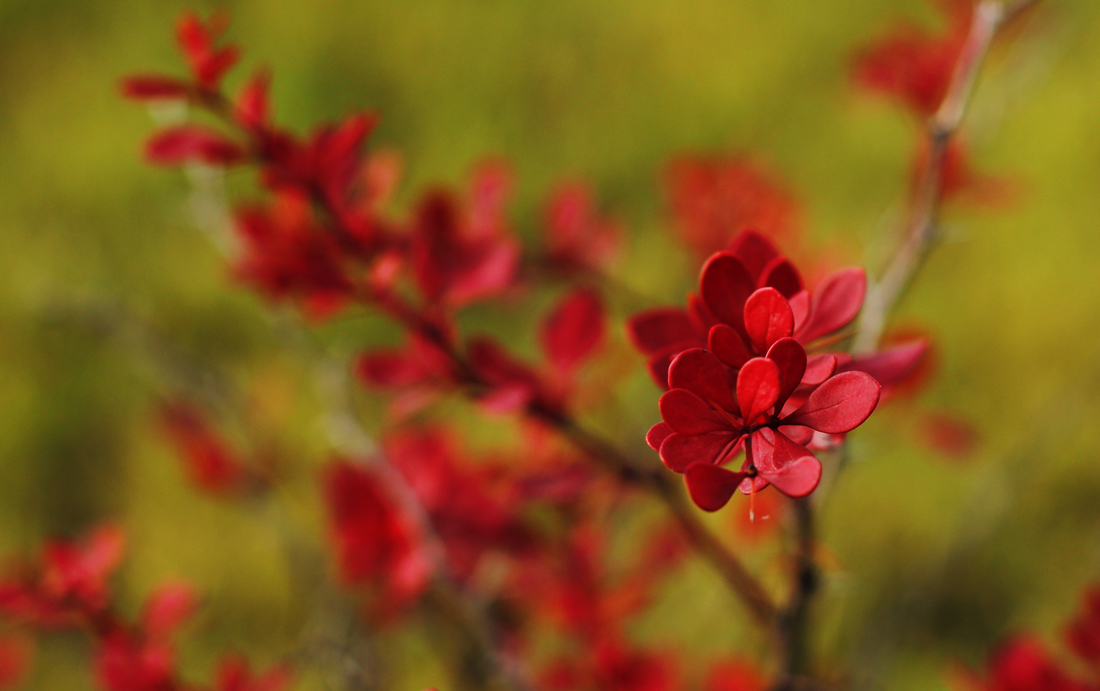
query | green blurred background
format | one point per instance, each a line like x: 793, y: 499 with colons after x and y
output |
x: 108, y: 292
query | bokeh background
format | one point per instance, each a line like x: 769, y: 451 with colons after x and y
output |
x: 111, y: 297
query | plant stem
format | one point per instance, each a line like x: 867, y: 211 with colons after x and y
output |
x: 924, y: 216
x: 793, y: 623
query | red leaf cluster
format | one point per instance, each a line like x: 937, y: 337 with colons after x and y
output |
x: 711, y: 199
x: 720, y: 317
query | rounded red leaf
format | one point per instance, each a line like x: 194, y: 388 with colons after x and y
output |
x: 818, y: 369
x: 768, y: 318
x: 798, y: 478
x: 710, y: 486
x: 839, y: 405
x: 754, y: 250
x: 790, y: 357
x: 686, y: 413
x: 725, y: 284
x: 835, y: 303
x: 657, y: 328
x: 728, y: 346
x: 893, y: 364
x: 701, y: 373
x: 573, y: 330
x: 657, y: 434
x: 781, y: 274
x: 678, y: 451
x: 757, y: 388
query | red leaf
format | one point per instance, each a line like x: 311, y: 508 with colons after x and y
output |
x: 818, y: 369
x: 768, y: 318
x: 154, y: 87
x: 835, y: 303
x: 253, y: 107
x: 725, y: 284
x: 839, y: 405
x: 754, y: 250
x: 686, y: 413
x: 678, y: 451
x: 167, y: 608
x: 782, y: 275
x: 702, y: 374
x: 711, y: 487
x: 789, y: 356
x: 573, y: 331
x: 728, y: 346
x: 657, y: 434
x: 798, y: 478
x: 192, y: 143
x: 893, y: 364
x: 757, y: 388
x: 655, y: 329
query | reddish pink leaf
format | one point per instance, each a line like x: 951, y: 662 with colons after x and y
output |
x: 797, y: 433
x: 757, y: 388
x: 701, y: 373
x: 573, y: 330
x: 678, y: 451
x: 789, y: 356
x: 839, y: 405
x: 686, y: 413
x: 835, y: 303
x: 782, y: 275
x: 660, y: 362
x: 711, y: 487
x: 728, y: 346
x: 487, y: 275
x: 768, y: 318
x: 800, y: 308
x: 103, y: 550
x: 754, y: 250
x: 798, y: 478
x: 154, y: 87
x: 658, y: 328
x: 167, y: 608
x: 893, y: 364
x: 818, y: 369
x: 253, y: 107
x: 724, y: 285
x: 787, y: 465
x: 657, y: 434
x: 192, y: 143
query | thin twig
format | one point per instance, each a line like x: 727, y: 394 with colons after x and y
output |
x: 741, y: 582
x: 923, y: 226
x: 792, y: 627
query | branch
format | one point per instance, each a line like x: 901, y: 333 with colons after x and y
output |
x: 792, y: 626
x: 990, y: 16
x: 740, y: 581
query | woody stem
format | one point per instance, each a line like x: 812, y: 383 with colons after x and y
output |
x: 990, y: 16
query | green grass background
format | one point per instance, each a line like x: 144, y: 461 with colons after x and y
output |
x: 102, y: 269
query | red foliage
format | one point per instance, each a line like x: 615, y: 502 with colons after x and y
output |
x: 211, y: 466
x: 720, y: 316
x: 69, y: 582
x: 714, y: 198
x: 913, y: 65
x: 576, y: 237
x: 767, y: 408
x: 375, y: 542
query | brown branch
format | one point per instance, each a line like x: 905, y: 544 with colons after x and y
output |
x: 752, y: 595
x: 793, y: 624
x: 741, y: 582
x: 990, y: 16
